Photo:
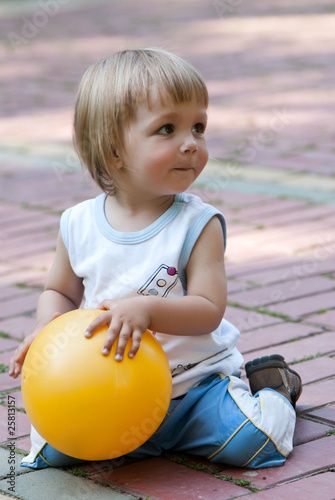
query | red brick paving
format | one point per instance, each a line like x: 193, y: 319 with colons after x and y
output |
x: 302, y: 307
x: 274, y: 335
x: 301, y: 349
x: 249, y: 320
x: 22, y: 424
x: 18, y: 326
x: 307, y: 430
x: 293, y: 269
x: 306, y: 459
x: 280, y: 253
x: 326, y: 319
x: 318, y: 394
x: 326, y: 414
x: 321, y: 485
x: 154, y: 477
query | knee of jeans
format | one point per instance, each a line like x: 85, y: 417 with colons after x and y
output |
x: 56, y: 458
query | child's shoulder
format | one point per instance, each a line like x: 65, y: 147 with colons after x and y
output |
x: 80, y: 215
x: 193, y: 204
x: 85, y: 206
x: 191, y: 200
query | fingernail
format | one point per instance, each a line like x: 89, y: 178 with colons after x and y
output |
x: 131, y: 355
x: 118, y: 357
x: 105, y: 351
x: 87, y: 334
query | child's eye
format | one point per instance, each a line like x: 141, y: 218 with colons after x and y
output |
x: 199, y: 128
x: 166, y: 129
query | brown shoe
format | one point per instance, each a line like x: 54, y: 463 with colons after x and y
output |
x: 273, y: 373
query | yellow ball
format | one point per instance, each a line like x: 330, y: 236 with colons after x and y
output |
x: 87, y: 405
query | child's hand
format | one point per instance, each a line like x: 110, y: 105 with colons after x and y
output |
x: 126, y: 318
x: 16, y: 362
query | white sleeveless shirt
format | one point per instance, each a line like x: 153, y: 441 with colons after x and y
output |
x: 152, y: 261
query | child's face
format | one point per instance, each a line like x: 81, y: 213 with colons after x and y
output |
x: 165, y: 147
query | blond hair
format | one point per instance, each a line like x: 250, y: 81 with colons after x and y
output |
x: 108, y: 95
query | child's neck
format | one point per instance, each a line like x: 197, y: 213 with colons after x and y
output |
x: 130, y: 215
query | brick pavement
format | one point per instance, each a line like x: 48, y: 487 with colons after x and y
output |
x: 270, y: 74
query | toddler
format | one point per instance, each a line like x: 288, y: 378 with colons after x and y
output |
x: 152, y: 257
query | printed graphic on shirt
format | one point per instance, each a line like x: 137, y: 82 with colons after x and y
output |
x: 160, y: 282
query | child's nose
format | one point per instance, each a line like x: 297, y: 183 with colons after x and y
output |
x: 189, y: 145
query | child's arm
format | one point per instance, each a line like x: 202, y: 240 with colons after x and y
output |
x: 63, y: 292
x: 198, y: 313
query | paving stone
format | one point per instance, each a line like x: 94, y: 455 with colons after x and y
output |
x: 26, y: 222
x: 5, y: 457
x: 24, y: 444
x: 5, y: 357
x: 236, y: 286
x: 271, y: 208
x: 15, y: 396
x: 236, y: 228
x: 165, y: 480
x: 318, y: 394
x: 31, y: 277
x: 10, y: 292
x: 229, y: 199
x: 19, y: 220
x: 305, y: 459
x: 39, y: 261
x: 249, y: 320
x: 7, y: 382
x: 307, y: 430
x: 22, y: 246
x: 273, y: 335
x: 299, y: 308
x: 8, y: 344
x: 320, y: 485
x: 293, y: 240
x: 26, y: 304
x: 281, y: 292
x: 322, y: 343
x: 296, y: 269
x: 300, y: 212
x: 5, y: 269
x: 327, y: 319
x: 250, y: 271
x: 102, y: 465
x: 55, y: 484
x: 326, y: 414
x: 316, y: 369
x: 18, y: 326
x: 21, y: 425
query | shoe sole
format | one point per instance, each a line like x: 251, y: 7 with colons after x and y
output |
x: 272, y: 361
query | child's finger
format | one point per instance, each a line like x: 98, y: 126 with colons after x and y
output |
x: 15, y: 364
x: 98, y: 322
x: 124, y: 336
x: 136, y: 342
x: 13, y: 368
x: 112, y: 333
x: 105, y: 305
x: 56, y: 315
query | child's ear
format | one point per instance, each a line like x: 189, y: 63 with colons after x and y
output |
x: 117, y: 162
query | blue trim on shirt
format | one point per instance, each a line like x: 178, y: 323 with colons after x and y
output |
x: 193, y: 234
x: 133, y: 238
